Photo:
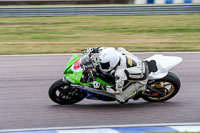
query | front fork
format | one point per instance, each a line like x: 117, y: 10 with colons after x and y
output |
x: 65, y: 80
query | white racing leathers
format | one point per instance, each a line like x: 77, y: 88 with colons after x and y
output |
x: 130, y: 76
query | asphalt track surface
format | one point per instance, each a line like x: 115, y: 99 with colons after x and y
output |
x: 24, y: 103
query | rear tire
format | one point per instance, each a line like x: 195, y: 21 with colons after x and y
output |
x: 61, y: 93
x: 173, y: 84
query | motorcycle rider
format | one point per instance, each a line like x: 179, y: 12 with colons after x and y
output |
x: 129, y: 71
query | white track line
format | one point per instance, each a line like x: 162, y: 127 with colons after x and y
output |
x: 186, y: 128
x: 101, y: 126
x: 80, y: 53
x: 102, y: 130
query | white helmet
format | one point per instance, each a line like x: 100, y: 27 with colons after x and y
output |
x: 108, y: 59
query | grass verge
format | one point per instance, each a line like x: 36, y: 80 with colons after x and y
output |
x: 29, y: 35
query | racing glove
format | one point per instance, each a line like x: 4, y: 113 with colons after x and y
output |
x: 89, y: 50
x: 92, y: 50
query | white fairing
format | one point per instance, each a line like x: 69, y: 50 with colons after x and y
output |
x: 164, y: 64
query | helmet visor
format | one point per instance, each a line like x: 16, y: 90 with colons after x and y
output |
x: 105, y: 65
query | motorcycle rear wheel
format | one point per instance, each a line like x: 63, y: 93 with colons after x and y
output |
x: 169, y: 85
x: 61, y: 93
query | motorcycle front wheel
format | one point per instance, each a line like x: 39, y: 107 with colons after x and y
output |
x: 61, y: 93
x: 162, y: 89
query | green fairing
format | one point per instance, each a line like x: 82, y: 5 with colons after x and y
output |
x: 75, y: 77
x: 73, y: 59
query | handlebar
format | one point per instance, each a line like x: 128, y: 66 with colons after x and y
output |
x: 83, y: 51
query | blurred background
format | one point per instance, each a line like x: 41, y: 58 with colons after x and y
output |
x: 66, y: 26
x: 75, y: 2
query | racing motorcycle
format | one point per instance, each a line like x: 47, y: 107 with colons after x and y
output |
x: 80, y: 73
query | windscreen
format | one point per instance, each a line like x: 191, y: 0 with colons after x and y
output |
x: 85, y: 60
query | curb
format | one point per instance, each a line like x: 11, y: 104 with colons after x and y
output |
x: 124, y: 130
x: 139, y: 128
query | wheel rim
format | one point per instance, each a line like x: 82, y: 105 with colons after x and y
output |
x: 163, y: 86
x: 66, y: 94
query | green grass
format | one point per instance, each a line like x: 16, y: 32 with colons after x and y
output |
x: 24, y: 35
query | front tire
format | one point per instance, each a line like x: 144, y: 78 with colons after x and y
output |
x: 169, y: 86
x: 61, y: 93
